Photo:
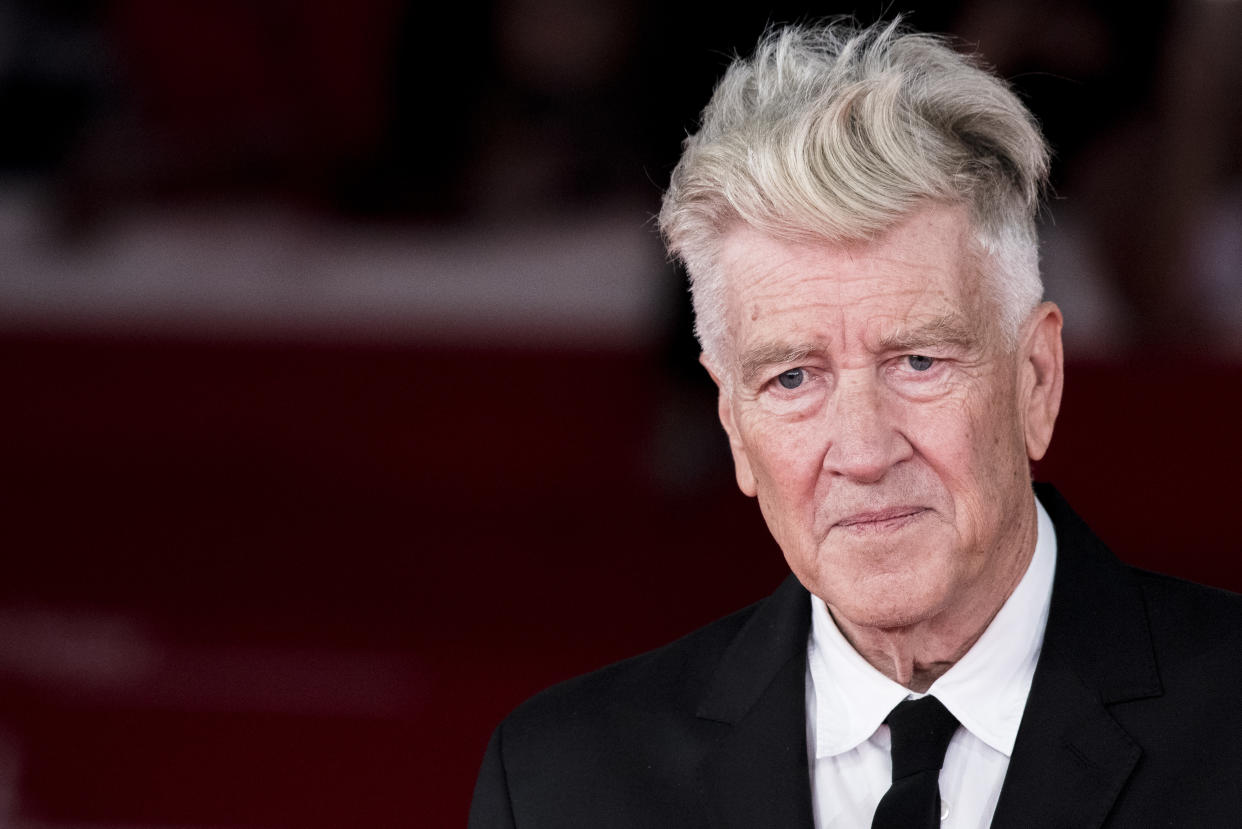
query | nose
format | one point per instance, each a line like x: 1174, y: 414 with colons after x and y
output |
x: 864, y: 438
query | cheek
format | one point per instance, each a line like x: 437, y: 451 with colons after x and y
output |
x: 786, y: 458
x: 979, y: 456
x: 954, y: 439
x: 999, y: 445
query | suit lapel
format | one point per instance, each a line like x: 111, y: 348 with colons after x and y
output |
x: 756, y: 775
x: 1071, y: 758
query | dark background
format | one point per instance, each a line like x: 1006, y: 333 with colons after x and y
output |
x: 347, y: 399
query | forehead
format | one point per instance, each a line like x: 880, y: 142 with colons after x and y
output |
x: 922, y: 271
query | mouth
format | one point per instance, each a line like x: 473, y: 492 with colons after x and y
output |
x: 893, y: 518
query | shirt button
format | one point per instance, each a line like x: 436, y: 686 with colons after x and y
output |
x: 944, y: 809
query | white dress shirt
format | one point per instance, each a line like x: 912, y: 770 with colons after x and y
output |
x: 847, y: 700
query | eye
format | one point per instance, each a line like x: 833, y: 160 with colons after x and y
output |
x: 920, y: 363
x: 791, y: 379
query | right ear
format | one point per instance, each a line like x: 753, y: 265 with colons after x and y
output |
x: 724, y: 408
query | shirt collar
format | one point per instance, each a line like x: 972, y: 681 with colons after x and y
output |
x: 986, y: 689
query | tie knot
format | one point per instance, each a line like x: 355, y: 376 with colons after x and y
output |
x: 921, y: 730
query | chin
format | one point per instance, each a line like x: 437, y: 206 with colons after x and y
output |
x: 891, y: 589
x: 890, y: 618
x: 889, y: 601
x: 887, y: 612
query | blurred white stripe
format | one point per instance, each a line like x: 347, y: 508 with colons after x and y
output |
x: 596, y: 278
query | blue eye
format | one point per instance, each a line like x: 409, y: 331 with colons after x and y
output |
x: 920, y: 363
x: 791, y: 379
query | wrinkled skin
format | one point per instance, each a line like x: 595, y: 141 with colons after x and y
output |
x: 886, y: 425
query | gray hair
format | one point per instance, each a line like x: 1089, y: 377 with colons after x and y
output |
x: 836, y: 133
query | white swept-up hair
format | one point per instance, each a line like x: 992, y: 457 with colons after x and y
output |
x: 835, y: 133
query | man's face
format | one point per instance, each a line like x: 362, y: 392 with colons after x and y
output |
x: 880, y: 417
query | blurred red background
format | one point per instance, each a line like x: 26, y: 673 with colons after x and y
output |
x: 348, y: 400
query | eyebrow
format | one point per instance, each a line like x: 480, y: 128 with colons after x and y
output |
x: 938, y: 332
x: 755, y: 360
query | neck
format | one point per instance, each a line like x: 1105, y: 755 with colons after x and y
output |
x: 914, y: 656
x: 918, y: 654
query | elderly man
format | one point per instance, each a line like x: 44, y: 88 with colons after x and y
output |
x: 856, y: 215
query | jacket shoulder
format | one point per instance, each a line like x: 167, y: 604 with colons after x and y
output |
x: 615, y: 747
x: 669, y: 679
x: 1193, y: 622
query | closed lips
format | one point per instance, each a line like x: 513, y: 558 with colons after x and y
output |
x: 878, y: 516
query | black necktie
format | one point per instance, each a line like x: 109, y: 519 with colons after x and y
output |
x: 921, y: 731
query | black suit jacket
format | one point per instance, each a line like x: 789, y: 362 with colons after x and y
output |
x: 1134, y: 718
